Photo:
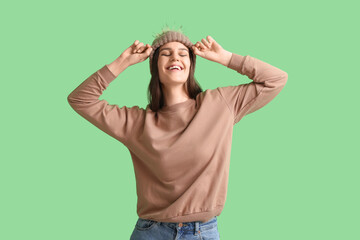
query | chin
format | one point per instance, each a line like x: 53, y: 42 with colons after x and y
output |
x: 171, y: 82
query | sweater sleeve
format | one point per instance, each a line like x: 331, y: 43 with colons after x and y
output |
x: 111, y: 119
x: 267, y: 82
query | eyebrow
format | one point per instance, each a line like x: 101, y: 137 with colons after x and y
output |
x: 170, y: 49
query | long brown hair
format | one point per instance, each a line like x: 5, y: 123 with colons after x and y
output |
x: 155, y: 93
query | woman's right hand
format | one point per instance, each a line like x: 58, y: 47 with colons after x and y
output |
x: 136, y: 53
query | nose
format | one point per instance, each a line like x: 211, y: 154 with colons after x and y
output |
x: 174, y: 57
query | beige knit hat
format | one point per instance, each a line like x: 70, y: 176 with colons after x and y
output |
x: 169, y: 36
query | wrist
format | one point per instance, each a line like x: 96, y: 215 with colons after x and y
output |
x: 121, y: 60
x: 118, y: 65
x: 225, y: 58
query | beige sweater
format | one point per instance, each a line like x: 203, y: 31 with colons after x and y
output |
x: 181, y: 154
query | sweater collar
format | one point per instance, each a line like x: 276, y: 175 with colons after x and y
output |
x: 177, y: 106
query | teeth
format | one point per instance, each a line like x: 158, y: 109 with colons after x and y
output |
x: 174, y: 67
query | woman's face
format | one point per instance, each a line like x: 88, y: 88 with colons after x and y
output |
x: 173, y: 53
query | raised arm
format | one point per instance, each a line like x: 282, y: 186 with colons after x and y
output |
x: 244, y: 98
x: 85, y: 101
x: 113, y: 120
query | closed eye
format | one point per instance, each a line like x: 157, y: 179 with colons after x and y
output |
x: 169, y: 55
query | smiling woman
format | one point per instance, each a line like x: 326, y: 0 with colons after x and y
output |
x: 180, y: 144
x: 168, y: 86
x: 173, y: 81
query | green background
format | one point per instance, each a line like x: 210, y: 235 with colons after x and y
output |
x: 294, y: 170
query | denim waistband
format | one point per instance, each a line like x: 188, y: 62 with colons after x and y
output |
x: 189, y: 226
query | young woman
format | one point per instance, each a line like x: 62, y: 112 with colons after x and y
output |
x: 180, y: 144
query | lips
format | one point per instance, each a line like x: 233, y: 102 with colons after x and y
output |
x: 175, y: 68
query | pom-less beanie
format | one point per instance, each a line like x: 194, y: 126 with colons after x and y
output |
x: 169, y: 36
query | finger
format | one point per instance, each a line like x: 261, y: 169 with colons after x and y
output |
x: 142, y: 49
x: 138, y: 47
x: 205, y: 43
x: 210, y: 39
x: 147, y: 46
x: 196, y: 50
x: 133, y: 46
x: 149, y: 50
x: 139, y: 50
x: 199, y: 45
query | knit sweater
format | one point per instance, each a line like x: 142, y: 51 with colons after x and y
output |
x: 181, y: 154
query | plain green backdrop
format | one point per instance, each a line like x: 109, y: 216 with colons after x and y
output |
x: 294, y: 172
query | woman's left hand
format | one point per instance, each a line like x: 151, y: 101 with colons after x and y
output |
x: 210, y: 50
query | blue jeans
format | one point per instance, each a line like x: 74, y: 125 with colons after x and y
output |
x: 146, y: 229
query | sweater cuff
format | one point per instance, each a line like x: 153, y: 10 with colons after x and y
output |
x: 236, y: 62
x: 106, y: 74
